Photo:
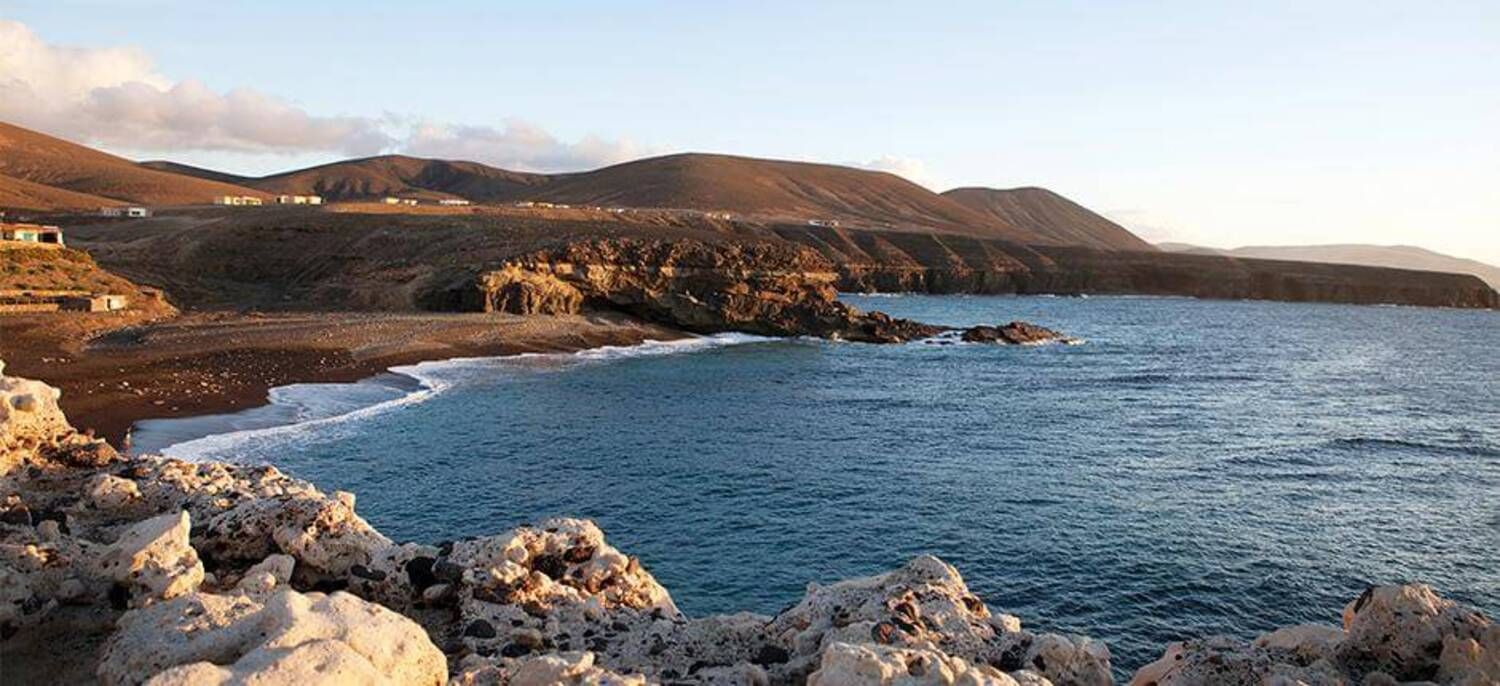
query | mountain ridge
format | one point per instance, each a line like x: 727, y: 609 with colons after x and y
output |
x: 1364, y: 254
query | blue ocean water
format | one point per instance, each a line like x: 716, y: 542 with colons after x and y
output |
x: 1195, y: 468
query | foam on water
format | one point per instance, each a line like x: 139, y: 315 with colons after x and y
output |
x: 311, y: 408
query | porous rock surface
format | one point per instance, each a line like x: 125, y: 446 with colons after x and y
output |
x: 218, y: 573
x: 1390, y: 635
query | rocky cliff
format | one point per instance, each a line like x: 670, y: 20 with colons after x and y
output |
x: 762, y: 288
x: 150, y: 570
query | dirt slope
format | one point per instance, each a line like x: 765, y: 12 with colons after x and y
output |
x: 20, y: 194
x: 404, y: 176
x: 42, y: 159
x: 195, y: 172
x: 1050, y: 215
x: 774, y: 188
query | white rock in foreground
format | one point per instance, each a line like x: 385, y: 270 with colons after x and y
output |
x: 154, y: 560
x: 293, y: 638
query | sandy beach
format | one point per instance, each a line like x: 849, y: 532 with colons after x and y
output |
x: 207, y: 363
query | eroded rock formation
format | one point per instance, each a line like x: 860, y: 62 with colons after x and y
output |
x: 767, y: 288
x: 193, y: 573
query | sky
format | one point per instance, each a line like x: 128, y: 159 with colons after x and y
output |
x: 1220, y: 124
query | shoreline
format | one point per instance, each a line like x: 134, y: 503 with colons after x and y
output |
x: 401, y: 384
x: 219, y: 363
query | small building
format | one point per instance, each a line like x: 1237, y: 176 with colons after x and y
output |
x: 393, y: 200
x: 453, y: 202
x: 32, y: 233
x: 832, y: 223
x: 94, y: 303
x: 299, y: 199
x: 238, y: 200
x: 124, y: 212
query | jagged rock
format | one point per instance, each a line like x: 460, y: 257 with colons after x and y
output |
x: 34, y: 431
x: 845, y: 664
x: 756, y: 287
x: 291, y: 638
x: 154, y: 560
x: 1222, y: 660
x: 519, y: 291
x: 110, y: 492
x: 323, y: 534
x: 558, y: 669
x: 1404, y: 630
x: 1391, y: 634
x: 1014, y: 333
x: 926, y: 603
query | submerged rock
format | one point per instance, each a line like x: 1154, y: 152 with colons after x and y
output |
x: 1014, y: 333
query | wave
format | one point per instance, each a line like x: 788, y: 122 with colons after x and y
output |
x: 1358, y: 442
x: 307, y: 408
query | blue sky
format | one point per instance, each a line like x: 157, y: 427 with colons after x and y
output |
x: 1271, y: 122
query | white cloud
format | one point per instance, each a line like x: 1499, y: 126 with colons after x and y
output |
x: 519, y: 145
x: 114, y: 97
x: 913, y: 170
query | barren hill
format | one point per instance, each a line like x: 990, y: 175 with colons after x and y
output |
x: 42, y: 159
x: 20, y: 194
x: 196, y: 172
x: 1049, y: 215
x: 1398, y: 256
x: 774, y: 188
x: 399, y: 175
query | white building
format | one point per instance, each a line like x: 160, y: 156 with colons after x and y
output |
x: 299, y: 199
x: 124, y: 212
x: 237, y: 200
x: 453, y: 201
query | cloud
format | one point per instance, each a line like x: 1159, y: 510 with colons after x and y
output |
x: 518, y: 145
x: 115, y: 98
x: 913, y: 170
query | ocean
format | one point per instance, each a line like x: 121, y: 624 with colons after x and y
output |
x: 1193, y: 468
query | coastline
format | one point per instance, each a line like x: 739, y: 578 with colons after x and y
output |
x: 304, y: 405
x: 217, y: 363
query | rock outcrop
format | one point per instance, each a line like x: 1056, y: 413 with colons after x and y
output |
x: 1390, y: 635
x: 194, y: 573
x: 765, y: 288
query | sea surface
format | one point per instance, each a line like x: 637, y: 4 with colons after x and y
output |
x: 1194, y: 468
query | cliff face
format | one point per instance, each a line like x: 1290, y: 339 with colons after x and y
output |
x: 761, y: 288
x: 932, y: 263
x: 167, y: 572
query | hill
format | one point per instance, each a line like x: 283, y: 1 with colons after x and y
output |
x: 1049, y: 215
x: 195, y: 172
x: 20, y: 194
x: 400, y: 175
x: 48, y: 161
x: 777, y: 189
x: 1397, y: 256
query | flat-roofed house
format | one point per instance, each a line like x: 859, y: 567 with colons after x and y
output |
x: 299, y: 199
x: 32, y: 233
x: 124, y: 212
x: 237, y: 200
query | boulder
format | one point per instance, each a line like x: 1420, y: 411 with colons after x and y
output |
x: 1014, y: 333
x: 847, y: 664
x: 923, y: 604
x: 154, y: 560
x: 557, y: 669
x: 290, y: 638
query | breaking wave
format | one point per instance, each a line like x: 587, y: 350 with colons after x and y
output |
x: 313, y: 407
